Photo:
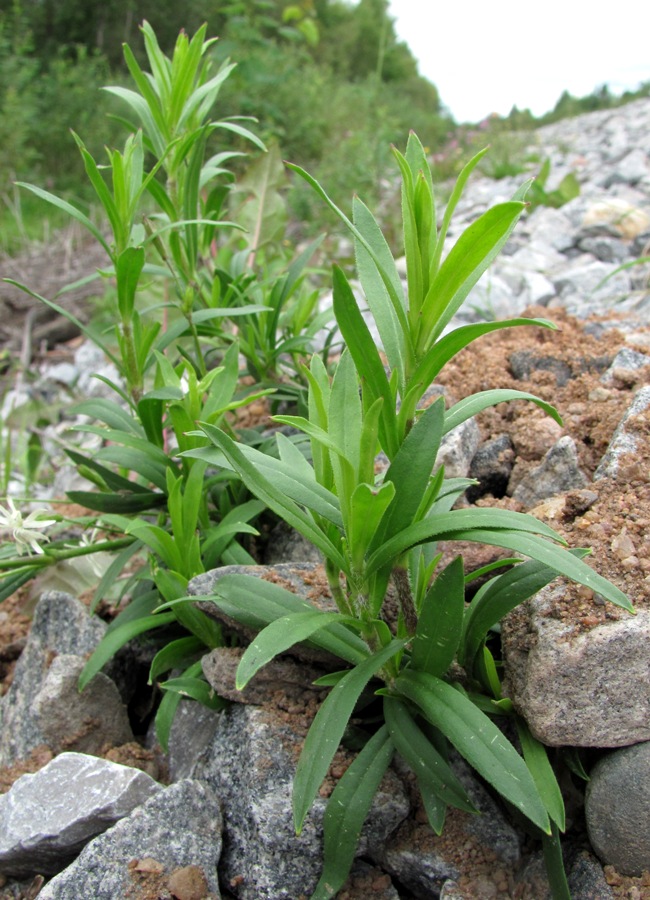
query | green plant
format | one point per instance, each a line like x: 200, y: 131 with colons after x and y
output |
x: 178, y: 363
x: 380, y: 533
x: 567, y: 189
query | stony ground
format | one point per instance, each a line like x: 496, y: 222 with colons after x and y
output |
x: 590, y: 412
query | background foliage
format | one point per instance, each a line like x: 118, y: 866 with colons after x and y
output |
x: 328, y: 79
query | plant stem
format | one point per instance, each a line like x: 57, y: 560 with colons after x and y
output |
x: 338, y: 595
x: 53, y: 555
x: 132, y: 370
x: 405, y: 596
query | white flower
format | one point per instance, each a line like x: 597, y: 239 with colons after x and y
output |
x: 25, y: 531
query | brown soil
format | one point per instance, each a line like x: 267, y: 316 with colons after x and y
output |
x: 611, y: 518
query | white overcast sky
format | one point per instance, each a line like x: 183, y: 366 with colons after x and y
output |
x: 486, y: 56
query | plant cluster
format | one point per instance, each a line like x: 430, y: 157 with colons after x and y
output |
x: 379, y: 534
x: 194, y: 292
x: 178, y: 481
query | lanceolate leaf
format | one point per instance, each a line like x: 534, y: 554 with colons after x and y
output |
x: 174, y: 655
x: 367, y: 508
x: 111, y: 643
x: 459, y: 187
x: 128, y: 268
x: 274, y: 498
x: 70, y: 210
x: 327, y: 730
x: 254, y: 602
x: 498, y: 597
x: 443, y: 525
x: 543, y: 775
x: 347, y: 809
x: 83, y: 329
x: 440, y: 621
x: 410, y: 472
x: 428, y: 765
x: 470, y: 406
x: 476, y: 738
x: 168, y: 706
x: 447, y: 347
x: 468, y: 259
x: 519, y: 540
x: 282, y: 634
x: 386, y: 301
x: 134, y: 502
x: 366, y: 357
x: 195, y: 689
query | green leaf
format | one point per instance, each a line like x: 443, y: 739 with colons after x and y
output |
x: 447, y: 526
x: 135, y: 502
x: 273, y: 497
x: 440, y: 622
x: 159, y: 541
x: 445, y: 349
x: 366, y: 357
x: 255, y: 603
x: 428, y: 765
x: 118, y: 637
x: 478, y: 740
x: 497, y: 598
x: 107, y: 477
x: 112, y: 414
x: 70, y: 210
x: 112, y: 573
x: 368, y: 506
x: 345, y: 418
x: 10, y: 583
x: 554, y: 863
x: 165, y: 714
x: 347, y: 809
x: 476, y: 403
x: 540, y: 768
x: 195, y: 689
x: 328, y: 727
x: 83, y: 329
x: 282, y: 634
x: 410, y: 472
x: 382, y: 287
x: 174, y: 655
x: 467, y: 260
x: 456, y: 194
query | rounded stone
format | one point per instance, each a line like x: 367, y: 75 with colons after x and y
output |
x: 617, y: 809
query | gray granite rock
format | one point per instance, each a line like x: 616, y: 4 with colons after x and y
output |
x: 625, y: 441
x: 280, y: 676
x: 524, y: 362
x: 572, y: 687
x: 48, y: 817
x: 491, y: 466
x: 587, y: 880
x: 286, y: 545
x: 250, y: 766
x: 193, y: 719
x: 61, y: 624
x: 457, y: 449
x: 558, y: 473
x: 617, y: 809
x: 81, y: 721
x: 179, y: 827
x: 628, y: 360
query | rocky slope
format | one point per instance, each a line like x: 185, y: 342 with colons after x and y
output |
x: 576, y: 667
